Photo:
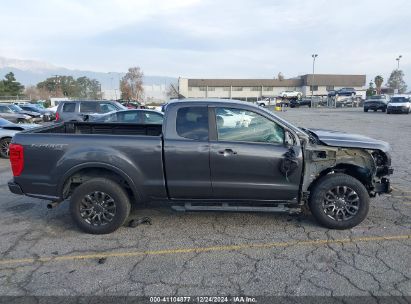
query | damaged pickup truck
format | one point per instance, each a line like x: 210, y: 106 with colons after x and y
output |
x: 208, y: 155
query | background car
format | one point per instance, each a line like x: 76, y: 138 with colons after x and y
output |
x: 132, y: 105
x: 138, y: 116
x: 295, y: 103
x: 376, y: 102
x: 47, y: 114
x: 16, y: 117
x: 7, y: 131
x: 331, y: 93
x: 399, y: 104
x: 36, y: 117
x: 291, y: 94
x: 75, y: 110
x: 346, y: 92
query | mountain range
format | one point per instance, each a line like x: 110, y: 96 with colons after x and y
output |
x: 31, y: 72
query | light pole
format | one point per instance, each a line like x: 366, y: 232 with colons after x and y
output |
x: 398, y: 61
x: 312, y: 82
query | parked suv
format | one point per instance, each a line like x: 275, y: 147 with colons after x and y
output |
x: 375, y: 103
x: 74, y: 110
x: 346, y: 92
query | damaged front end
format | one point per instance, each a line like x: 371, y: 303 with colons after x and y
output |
x: 369, y: 164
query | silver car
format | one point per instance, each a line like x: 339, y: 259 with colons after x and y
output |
x: 7, y: 131
x: 11, y: 116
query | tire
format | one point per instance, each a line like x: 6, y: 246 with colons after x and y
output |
x: 354, y: 196
x: 375, y: 110
x: 388, y: 112
x: 262, y: 105
x: 104, y: 191
x: 4, y: 147
x: 365, y: 110
x: 383, y: 110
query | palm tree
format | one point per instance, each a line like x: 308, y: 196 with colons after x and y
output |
x: 378, y: 80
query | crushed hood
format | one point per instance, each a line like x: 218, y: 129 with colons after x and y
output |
x: 348, y: 140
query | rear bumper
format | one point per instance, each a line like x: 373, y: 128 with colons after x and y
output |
x: 15, y: 188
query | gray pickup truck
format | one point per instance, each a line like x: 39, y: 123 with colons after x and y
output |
x: 207, y: 155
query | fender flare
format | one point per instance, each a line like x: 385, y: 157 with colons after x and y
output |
x: 90, y: 165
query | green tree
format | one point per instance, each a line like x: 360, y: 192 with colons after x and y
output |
x: 82, y: 87
x: 371, y: 90
x: 396, y: 81
x: 9, y: 86
x: 378, y: 80
x: 88, y: 88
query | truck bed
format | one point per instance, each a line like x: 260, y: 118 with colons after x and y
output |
x: 53, y: 153
x: 101, y: 128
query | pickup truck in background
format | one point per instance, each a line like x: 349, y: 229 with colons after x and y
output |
x: 207, y: 155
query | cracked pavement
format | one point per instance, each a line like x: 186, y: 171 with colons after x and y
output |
x: 153, y: 260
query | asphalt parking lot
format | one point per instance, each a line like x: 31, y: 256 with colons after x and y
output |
x: 43, y: 253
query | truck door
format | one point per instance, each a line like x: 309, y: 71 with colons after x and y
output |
x: 248, y: 156
x: 187, y: 152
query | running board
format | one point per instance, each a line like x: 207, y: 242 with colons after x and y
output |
x: 234, y: 208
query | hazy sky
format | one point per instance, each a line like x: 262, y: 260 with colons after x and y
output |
x: 194, y: 38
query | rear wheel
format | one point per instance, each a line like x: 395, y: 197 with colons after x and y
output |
x: 339, y: 201
x: 99, y: 206
x: 4, y: 147
x: 365, y: 109
x: 262, y: 105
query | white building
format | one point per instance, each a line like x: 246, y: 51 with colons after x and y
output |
x: 255, y: 89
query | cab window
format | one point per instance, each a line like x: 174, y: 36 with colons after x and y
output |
x: 246, y: 126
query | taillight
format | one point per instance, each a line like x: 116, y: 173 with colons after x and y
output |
x: 57, y: 116
x: 16, y: 158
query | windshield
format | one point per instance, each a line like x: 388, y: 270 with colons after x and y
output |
x: 30, y: 108
x: 15, y: 108
x: 376, y: 97
x: 4, y: 122
x: 120, y: 106
x: 399, y: 99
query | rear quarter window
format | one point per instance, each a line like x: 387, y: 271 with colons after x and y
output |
x: 69, y: 107
x: 192, y: 123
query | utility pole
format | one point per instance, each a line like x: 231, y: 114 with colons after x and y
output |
x: 312, y: 82
x: 55, y: 84
x: 398, y: 61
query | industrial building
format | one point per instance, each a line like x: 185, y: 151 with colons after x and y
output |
x: 256, y: 89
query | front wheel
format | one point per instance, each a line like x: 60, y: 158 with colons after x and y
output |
x: 365, y: 110
x: 339, y: 201
x: 99, y: 206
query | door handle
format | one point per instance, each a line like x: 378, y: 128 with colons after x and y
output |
x: 227, y: 152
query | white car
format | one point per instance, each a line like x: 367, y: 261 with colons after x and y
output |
x: 7, y: 131
x: 400, y: 103
x: 233, y: 119
x: 291, y: 94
